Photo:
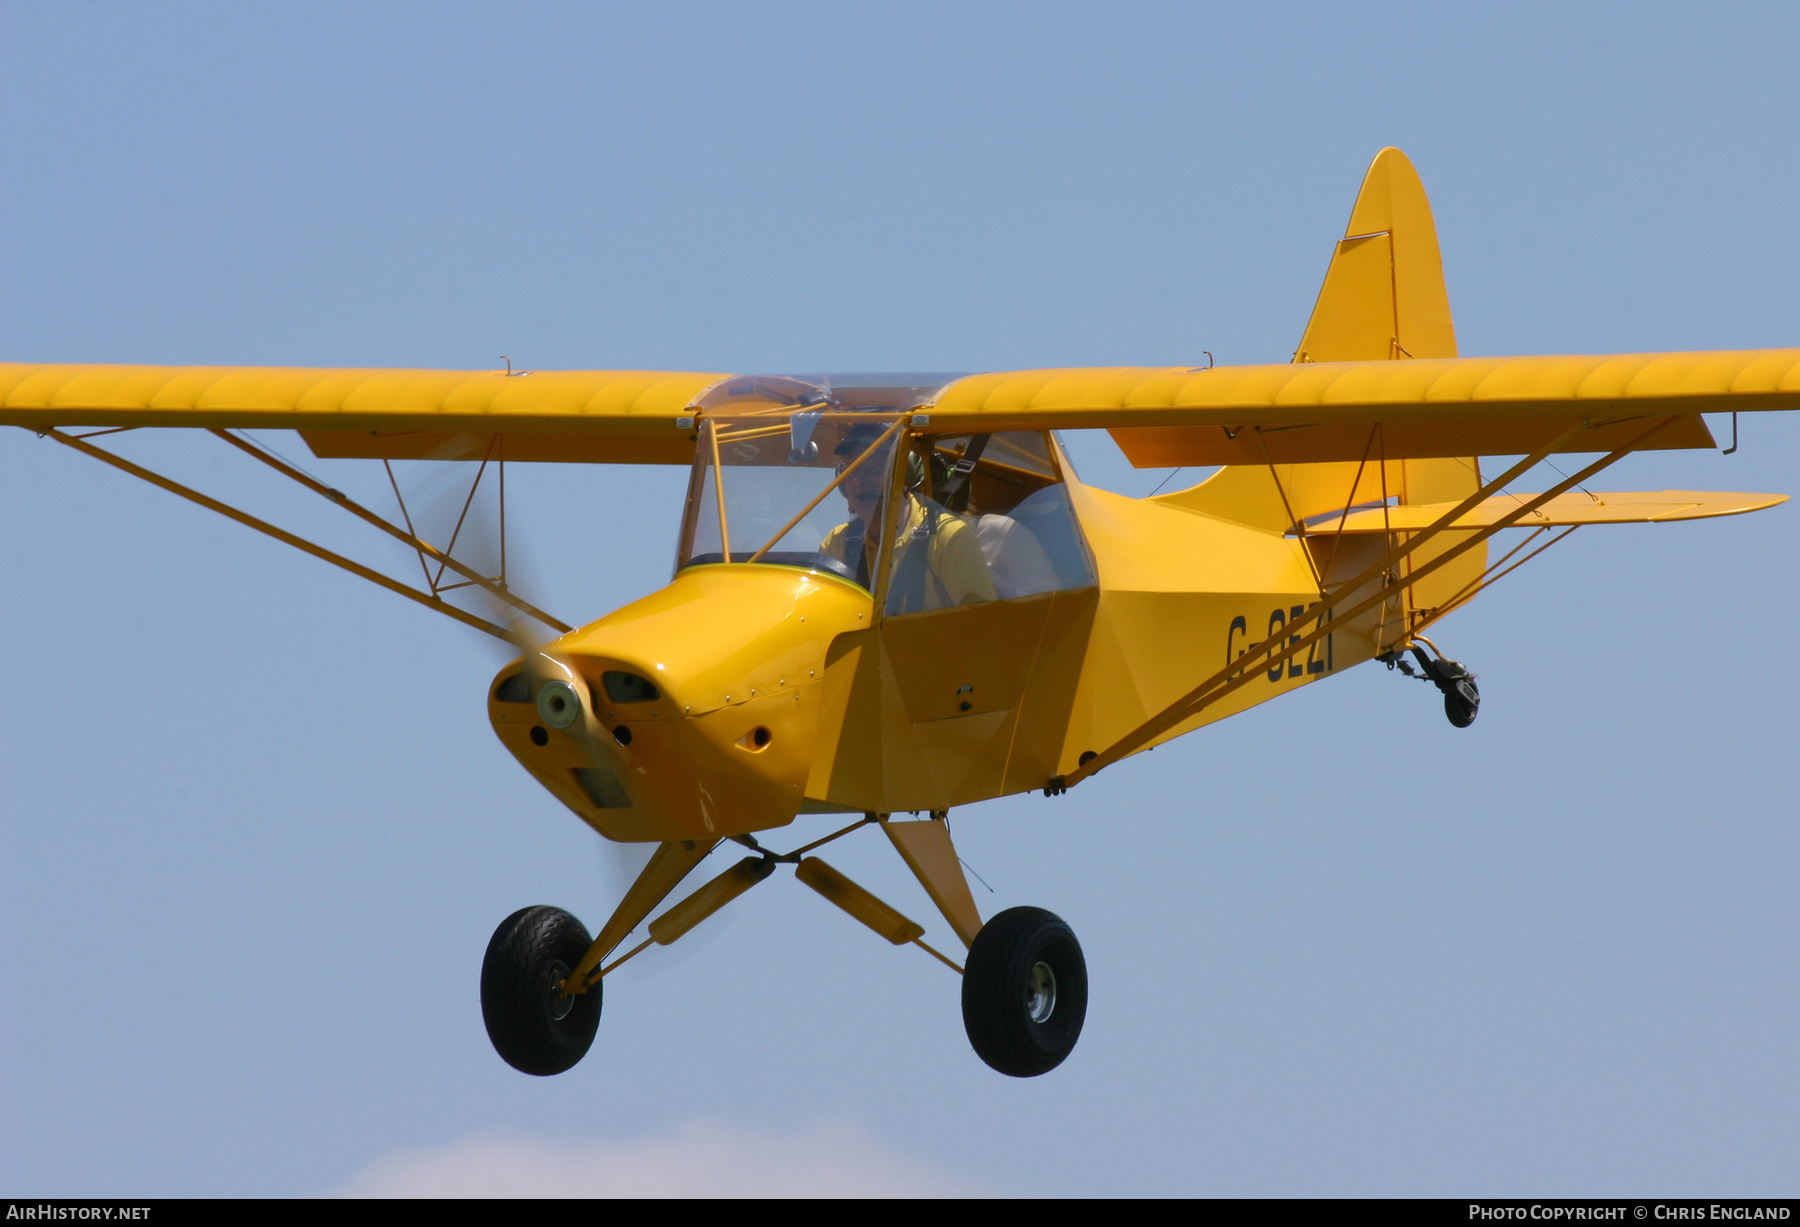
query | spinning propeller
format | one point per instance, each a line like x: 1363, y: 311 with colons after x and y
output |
x: 470, y: 519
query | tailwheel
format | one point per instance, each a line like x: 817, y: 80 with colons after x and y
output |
x: 534, y: 1028
x: 1024, y: 992
x: 1462, y: 701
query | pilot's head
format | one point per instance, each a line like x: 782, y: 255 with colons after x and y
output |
x: 862, y: 486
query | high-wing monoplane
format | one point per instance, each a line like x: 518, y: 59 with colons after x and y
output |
x: 894, y: 597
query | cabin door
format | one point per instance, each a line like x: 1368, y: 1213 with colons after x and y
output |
x: 989, y: 594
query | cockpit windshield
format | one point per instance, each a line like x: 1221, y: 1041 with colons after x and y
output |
x: 776, y: 488
x: 799, y: 472
x: 790, y: 466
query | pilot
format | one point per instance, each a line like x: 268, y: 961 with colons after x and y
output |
x: 937, y: 561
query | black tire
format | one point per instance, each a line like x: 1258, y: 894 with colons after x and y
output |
x: 1462, y: 702
x: 535, y: 1030
x: 997, y: 992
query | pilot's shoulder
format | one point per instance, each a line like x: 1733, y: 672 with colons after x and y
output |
x: 951, y: 526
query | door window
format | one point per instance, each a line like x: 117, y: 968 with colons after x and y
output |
x: 985, y: 517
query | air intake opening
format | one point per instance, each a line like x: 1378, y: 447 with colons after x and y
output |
x: 628, y: 687
x: 515, y: 689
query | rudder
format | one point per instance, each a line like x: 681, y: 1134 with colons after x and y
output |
x: 1383, y: 298
x: 1383, y: 294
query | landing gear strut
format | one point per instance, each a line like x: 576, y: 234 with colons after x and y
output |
x: 1024, y: 983
x: 1462, y: 701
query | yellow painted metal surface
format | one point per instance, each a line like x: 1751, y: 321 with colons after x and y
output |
x: 858, y: 902
x: 732, y: 649
x: 1160, y: 447
x: 1642, y: 507
x: 1182, y: 593
x: 668, y: 865
x: 928, y: 851
x: 681, y: 918
x: 1428, y: 390
x: 895, y: 735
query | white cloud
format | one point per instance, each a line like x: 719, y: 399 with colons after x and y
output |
x: 835, y: 1159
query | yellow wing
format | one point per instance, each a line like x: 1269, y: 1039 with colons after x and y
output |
x: 592, y: 416
x: 1321, y: 411
x: 1286, y: 413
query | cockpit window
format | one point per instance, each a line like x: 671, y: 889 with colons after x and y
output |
x: 987, y: 517
x: 797, y: 471
x: 784, y: 488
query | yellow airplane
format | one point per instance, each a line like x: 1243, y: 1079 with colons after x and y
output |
x: 894, y: 596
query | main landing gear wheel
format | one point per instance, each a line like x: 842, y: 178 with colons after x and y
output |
x: 535, y: 1029
x: 1024, y: 992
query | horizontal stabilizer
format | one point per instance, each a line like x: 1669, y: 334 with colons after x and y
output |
x: 1565, y: 510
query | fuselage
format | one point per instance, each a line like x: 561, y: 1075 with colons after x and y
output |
x: 747, y: 692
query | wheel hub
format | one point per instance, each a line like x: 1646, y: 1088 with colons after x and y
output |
x: 559, y: 1004
x: 1040, y: 993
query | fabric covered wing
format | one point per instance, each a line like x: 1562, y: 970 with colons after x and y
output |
x: 1287, y: 413
x: 593, y: 416
x: 1323, y: 411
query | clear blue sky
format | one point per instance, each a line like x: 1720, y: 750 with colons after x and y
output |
x: 255, y: 832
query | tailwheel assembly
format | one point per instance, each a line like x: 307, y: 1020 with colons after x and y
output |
x: 534, y: 1026
x: 1462, y: 701
x: 1024, y: 992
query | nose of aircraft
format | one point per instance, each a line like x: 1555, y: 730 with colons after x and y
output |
x: 692, y: 713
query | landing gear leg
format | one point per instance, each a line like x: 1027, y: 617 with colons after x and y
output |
x: 928, y: 852
x: 1462, y: 701
x: 1024, y: 987
x: 540, y: 996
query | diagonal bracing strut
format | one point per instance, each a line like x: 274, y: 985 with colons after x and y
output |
x: 430, y: 601
x: 356, y: 509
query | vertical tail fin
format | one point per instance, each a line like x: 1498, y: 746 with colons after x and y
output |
x: 1384, y: 294
x: 1383, y: 298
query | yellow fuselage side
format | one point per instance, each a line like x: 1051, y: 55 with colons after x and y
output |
x: 781, y: 692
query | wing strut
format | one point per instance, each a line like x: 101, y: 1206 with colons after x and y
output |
x: 1488, y: 578
x: 1312, y: 563
x: 282, y: 535
x: 1278, y: 649
x: 497, y: 590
